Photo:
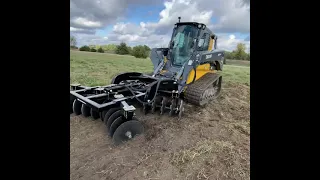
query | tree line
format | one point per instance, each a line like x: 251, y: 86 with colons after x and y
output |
x: 143, y: 51
x: 140, y: 51
x: 238, y: 54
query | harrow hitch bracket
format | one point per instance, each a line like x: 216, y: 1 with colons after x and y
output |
x: 128, y: 110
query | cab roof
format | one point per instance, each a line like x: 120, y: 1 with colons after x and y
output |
x: 195, y: 24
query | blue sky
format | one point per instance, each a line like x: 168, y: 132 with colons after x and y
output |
x: 138, y: 13
x: 145, y: 22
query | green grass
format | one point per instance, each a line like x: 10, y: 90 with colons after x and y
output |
x: 96, y: 69
x: 236, y: 74
x: 238, y: 62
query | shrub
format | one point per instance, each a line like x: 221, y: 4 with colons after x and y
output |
x: 84, y: 48
x: 100, y: 50
x: 130, y: 50
x: 73, y: 47
x: 109, y: 47
x: 139, y: 52
x: 147, y: 48
x: 93, y: 50
x: 122, y: 49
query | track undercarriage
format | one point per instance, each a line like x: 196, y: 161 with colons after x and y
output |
x: 115, y: 104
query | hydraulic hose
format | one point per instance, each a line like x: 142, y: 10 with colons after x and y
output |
x: 155, y: 94
x: 158, y: 84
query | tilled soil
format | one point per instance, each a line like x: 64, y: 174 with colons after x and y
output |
x: 207, y: 143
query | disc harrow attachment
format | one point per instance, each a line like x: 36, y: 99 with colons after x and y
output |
x: 115, y: 104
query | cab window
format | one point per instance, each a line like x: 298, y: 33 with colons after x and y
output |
x: 204, y: 41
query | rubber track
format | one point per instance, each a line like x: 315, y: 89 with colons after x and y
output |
x: 195, y: 91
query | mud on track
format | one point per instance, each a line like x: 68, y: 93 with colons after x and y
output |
x: 208, y: 143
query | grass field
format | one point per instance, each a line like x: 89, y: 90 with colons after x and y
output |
x: 238, y: 62
x: 212, y: 142
x: 102, y: 67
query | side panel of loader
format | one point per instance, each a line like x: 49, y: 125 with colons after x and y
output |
x: 208, y: 63
x: 215, y: 56
x: 201, y: 70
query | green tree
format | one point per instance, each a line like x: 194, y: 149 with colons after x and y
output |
x: 130, y: 50
x: 84, y: 48
x: 122, y: 49
x: 93, y: 50
x: 139, y: 52
x: 240, y: 52
x: 100, y: 50
x: 110, y: 47
x: 147, y: 48
x: 73, y: 41
x: 228, y: 55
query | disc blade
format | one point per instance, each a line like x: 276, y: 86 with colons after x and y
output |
x: 76, y: 107
x: 127, y: 131
x: 85, y: 110
x: 108, y: 114
x: 94, y: 114
x: 112, y: 118
x: 116, y: 123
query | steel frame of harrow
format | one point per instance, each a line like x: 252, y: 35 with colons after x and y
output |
x: 79, y: 91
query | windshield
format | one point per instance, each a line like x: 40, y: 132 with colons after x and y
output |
x: 183, y: 44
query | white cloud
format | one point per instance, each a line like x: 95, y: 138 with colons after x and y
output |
x: 229, y: 42
x: 72, y: 29
x: 133, y: 40
x: 235, y: 21
x: 232, y: 17
x: 81, y: 31
x: 87, y: 23
x: 90, y: 39
x: 186, y: 9
x: 130, y: 28
x: 94, y: 14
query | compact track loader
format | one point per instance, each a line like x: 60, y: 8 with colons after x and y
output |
x: 186, y: 71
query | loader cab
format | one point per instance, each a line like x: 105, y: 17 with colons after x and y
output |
x: 183, y: 40
x: 187, y: 38
x: 207, y: 41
